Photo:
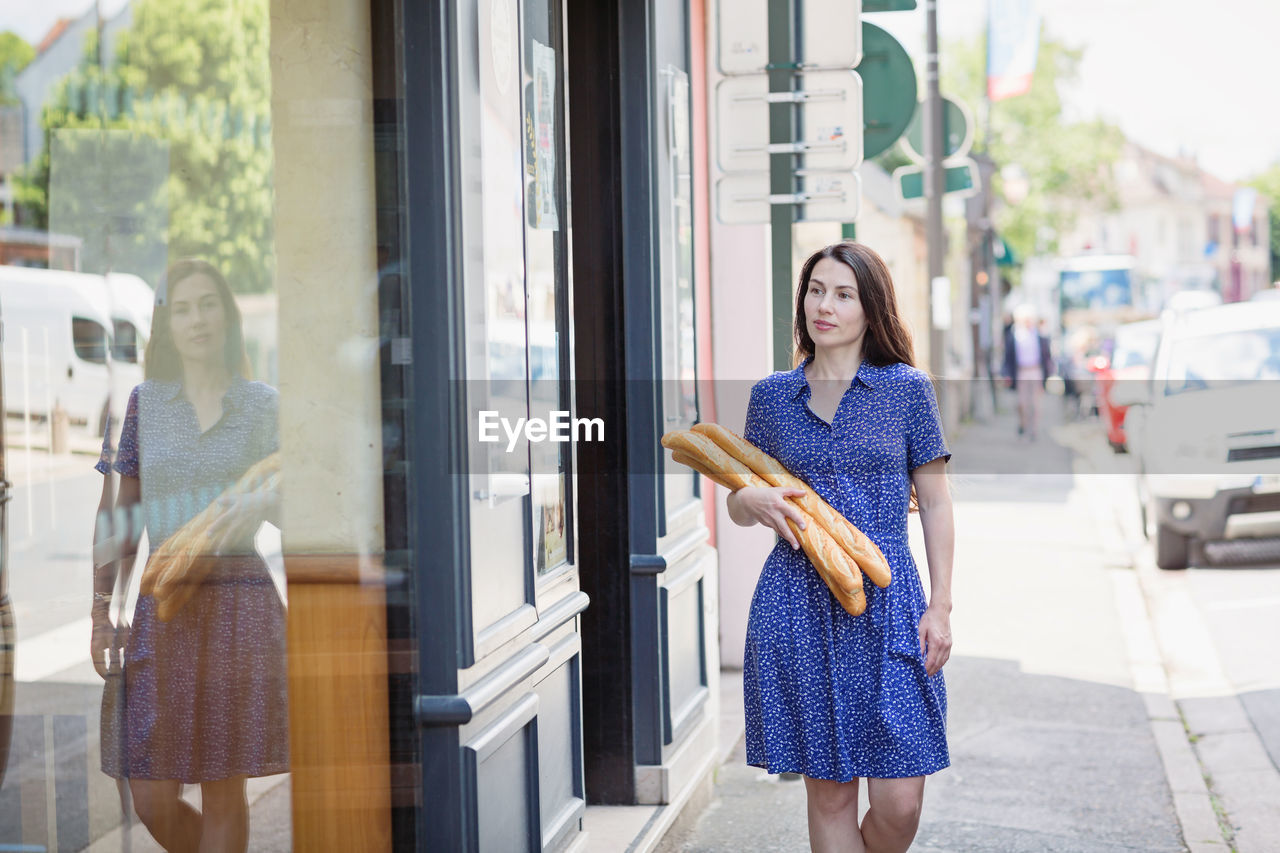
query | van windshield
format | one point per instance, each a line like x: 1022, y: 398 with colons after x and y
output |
x: 1223, y: 359
x: 90, y: 340
x: 125, y: 345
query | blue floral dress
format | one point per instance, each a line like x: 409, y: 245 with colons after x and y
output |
x: 827, y: 694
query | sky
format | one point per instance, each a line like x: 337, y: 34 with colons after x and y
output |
x: 1173, y: 74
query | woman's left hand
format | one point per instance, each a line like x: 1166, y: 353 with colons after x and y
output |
x: 935, y: 638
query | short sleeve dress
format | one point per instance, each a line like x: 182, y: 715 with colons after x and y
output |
x: 826, y: 694
x: 205, y: 695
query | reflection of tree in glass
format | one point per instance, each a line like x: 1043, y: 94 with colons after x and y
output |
x: 202, y: 696
x: 193, y: 81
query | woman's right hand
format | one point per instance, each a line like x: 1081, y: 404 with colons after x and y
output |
x: 769, y: 505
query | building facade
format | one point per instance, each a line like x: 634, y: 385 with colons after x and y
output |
x: 1182, y: 225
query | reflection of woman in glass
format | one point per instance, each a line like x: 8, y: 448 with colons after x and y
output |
x: 204, y: 698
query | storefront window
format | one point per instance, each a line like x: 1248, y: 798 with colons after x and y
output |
x: 207, y: 305
x: 680, y: 388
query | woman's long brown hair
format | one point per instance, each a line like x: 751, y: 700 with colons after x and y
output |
x: 887, y: 340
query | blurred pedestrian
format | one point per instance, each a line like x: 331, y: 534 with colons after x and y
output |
x: 1027, y: 365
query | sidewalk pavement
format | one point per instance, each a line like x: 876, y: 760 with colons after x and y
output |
x: 1052, y: 748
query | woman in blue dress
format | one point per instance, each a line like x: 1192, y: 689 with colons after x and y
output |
x: 204, y: 696
x: 831, y: 696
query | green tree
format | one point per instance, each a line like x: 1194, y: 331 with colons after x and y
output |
x: 1268, y: 183
x: 15, y: 54
x: 1067, y: 163
x: 191, y: 86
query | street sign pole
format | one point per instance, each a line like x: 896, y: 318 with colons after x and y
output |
x: 783, y: 62
x: 933, y: 181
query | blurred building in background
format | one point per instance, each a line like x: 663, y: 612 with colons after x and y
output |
x: 1187, y: 229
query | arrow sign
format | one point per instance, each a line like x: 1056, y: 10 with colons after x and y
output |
x: 744, y: 199
x: 961, y: 178
x: 828, y: 104
x: 829, y: 36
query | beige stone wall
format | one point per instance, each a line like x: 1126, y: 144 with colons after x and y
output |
x: 325, y: 240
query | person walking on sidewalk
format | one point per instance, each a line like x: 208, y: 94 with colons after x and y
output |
x: 835, y: 697
x: 1027, y: 365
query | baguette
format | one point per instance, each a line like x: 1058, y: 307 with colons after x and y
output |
x: 736, y: 475
x: 837, y: 570
x: 858, y: 545
x: 700, y: 467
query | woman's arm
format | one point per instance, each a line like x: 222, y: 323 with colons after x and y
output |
x: 115, y: 544
x: 934, y: 497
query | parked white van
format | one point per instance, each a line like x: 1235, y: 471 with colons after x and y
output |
x: 72, y: 340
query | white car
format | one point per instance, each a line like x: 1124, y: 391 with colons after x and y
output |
x: 1206, y: 429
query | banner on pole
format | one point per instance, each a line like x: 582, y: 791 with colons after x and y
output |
x: 1242, y: 208
x: 1013, y: 40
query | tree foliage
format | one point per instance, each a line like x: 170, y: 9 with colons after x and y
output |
x: 15, y: 54
x: 185, y: 169
x: 1067, y: 164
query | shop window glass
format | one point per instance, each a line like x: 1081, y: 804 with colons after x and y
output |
x: 219, y: 330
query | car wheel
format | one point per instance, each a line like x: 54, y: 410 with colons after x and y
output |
x: 1171, y: 548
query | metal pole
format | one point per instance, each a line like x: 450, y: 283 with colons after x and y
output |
x: 781, y: 68
x: 995, y: 296
x: 933, y: 179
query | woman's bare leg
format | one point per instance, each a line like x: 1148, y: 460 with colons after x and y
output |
x: 894, y: 816
x: 226, y: 816
x: 173, y: 823
x: 833, y: 816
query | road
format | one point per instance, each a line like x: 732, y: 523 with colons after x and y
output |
x: 1218, y: 633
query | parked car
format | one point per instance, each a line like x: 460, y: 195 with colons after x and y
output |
x: 1208, y: 429
x: 1130, y: 362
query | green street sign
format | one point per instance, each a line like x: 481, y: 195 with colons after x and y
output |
x: 960, y: 177
x: 957, y: 132
x: 888, y: 6
x: 888, y: 89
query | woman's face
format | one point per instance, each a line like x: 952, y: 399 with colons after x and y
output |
x: 832, y: 307
x: 197, y: 319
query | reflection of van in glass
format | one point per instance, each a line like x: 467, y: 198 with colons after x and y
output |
x: 72, y: 340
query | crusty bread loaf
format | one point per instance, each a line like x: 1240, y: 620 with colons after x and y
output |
x: 857, y: 544
x: 836, y: 568
x: 736, y: 475
x: 701, y: 468
x: 180, y: 564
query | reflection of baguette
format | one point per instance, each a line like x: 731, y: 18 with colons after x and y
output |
x: 183, y: 560
x: 857, y: 544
